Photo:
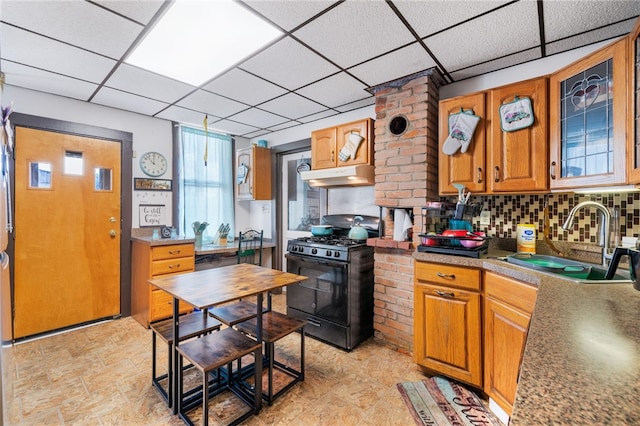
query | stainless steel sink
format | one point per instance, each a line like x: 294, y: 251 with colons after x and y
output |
x: 576, y: 271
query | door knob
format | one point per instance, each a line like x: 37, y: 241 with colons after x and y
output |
x: 112, y: 233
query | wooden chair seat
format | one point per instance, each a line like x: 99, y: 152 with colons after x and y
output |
x: 211, y: 352
x: 235, y: 312
x: 191, y: 325
x: 275, y: 326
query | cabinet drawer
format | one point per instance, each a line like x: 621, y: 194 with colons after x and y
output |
x: 172, y: 251
x: 171, y: 266
x: 162, y: 306
x: 513, y: 292
x: 448, y: 275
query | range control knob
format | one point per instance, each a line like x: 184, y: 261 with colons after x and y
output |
x: 336, y: 254
x: 328, y: 254
x: 314, y: 251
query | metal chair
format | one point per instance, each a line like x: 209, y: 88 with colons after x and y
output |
x: 250, y: 247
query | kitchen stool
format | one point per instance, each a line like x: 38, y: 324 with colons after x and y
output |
x: 275, y: 326
x: 191, y: 325
x: 211, y: 352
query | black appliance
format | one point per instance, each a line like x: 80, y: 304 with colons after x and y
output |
x: 337, y: 298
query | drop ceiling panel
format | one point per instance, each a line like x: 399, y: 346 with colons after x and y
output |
x: 286, y: 125
x: 78, y: 23
x: 394, y: 65
x: 209, y: 103
x: 244, y: 87
x: 510, y: 29
x: 335, y: 90
x: 136, y: 80
x: 139, y: 11
x: 317, y: 116
x: 289, y: 64
x: 350, y: 33
x: 357, y: 105
x: 289, y: 14
x: 584, y: 15
x: 497, y: 64
x: 608, y: 33
x: 127, y: 101
x: 429, y: 17
x: 44, y: 81
x: 231, y: 127
x: 40, y: 52
x: 258, y: 118
x: 184, y: 115
x: 292, y: 106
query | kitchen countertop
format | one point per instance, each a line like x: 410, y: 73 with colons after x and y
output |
x: 581, y: 363
x: 204, y: 249
x: 163, y: 241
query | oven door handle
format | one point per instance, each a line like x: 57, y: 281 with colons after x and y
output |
x: 317, y: 261
x: 301, y: 284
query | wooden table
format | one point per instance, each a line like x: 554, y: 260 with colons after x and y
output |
x: 210, y: 287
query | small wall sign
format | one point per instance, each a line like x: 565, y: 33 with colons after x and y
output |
x: 153, y: 215
x: 146, y: 184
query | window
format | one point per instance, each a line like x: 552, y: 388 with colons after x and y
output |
x: 205, y: 181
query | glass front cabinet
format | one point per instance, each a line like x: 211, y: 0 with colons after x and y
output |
x: 634, y: 104
x: 587, y: 117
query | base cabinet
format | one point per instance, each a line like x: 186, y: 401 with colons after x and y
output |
x: 149, y: 304
x: 447, y: 321
x: 508, y: 306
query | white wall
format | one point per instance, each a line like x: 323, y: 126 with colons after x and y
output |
x: 149, y: 134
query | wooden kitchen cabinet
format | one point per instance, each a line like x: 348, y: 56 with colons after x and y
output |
x: 508, y: 305
x: 587, y: 120
x: 327, y: 143
x: 633, y: 119
x: 466, y: 168
x: 149, y: 304
x: 447, y: 321
x: 518, y: 161
x: 255, y: 163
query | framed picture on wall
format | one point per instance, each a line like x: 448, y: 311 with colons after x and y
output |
x: 146, y: 184
x: 153, y: 215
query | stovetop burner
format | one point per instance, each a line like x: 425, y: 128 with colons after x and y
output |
x: 331, y: 241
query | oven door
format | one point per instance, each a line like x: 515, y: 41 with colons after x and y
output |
x: 324, y: 293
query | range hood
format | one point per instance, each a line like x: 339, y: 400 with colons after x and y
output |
x: 358, y: 175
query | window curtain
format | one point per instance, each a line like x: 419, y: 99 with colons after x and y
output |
x: 205, y: 192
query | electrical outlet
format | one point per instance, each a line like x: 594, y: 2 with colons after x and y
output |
x: 485, y: 217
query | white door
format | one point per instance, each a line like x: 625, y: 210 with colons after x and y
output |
x: 302, y: 205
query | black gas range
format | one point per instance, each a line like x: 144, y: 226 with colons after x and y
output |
x: 331, y: 247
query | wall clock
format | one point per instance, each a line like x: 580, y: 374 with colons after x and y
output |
x: 153, y: 164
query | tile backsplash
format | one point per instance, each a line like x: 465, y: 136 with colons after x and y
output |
x: 507, y: 211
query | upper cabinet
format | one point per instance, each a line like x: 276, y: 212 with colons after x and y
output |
x: 634, y: 105
x: 587, y: 117
x: 253, y: 174
x: 466, y: 168
x: 517, y: 160
x: 345, y: 145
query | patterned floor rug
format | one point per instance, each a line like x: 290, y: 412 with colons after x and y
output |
x: 438, y: 401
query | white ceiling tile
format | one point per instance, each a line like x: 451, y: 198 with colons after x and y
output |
x: 244, y: 87
x: 394, y: 65
x: 497, y: 64
x: 591, y: 37
x: 291, y: 106
x: 258, y: 118
x: 256, y: 134
x: 231, y: 127
x: 286, y: 125
x: 355, y: 31
x: 136, y: 80
x: 44, y: 81
x: 317, y: 116
x: 40, y: 52
x: 500, y: 33
x: 335, y: 90
x: 357, y: 105
x: 127, y: 101
x: 140, y: 11
x: 186, y: 116
x: 202, y: 100
x: 79, y: 23
x: 566, y: 18
x: 289, y: 14
x: 289, y: 64
x: 429, y: 17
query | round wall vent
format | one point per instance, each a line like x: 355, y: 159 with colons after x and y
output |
x: 398, y: 125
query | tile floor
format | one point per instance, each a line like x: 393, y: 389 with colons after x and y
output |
x: 101, y: 375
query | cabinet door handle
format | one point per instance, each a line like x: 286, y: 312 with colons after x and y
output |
x: 174, y: 251
x: 174, y: 266
x: 448, y: 294
x: 496, y: 174
x: 446, y: 276
x: 479, y: 174
x: 552, y: 170
x: 332, y: 155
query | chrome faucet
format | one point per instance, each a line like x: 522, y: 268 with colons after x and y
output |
x: 606, y: 220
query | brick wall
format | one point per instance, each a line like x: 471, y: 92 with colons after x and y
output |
x: 406, y: 172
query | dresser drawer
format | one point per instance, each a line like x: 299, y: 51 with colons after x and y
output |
x: 455, y: 276
x: 171, y: 266
x: 162, y: 306
x: 172, y: 251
